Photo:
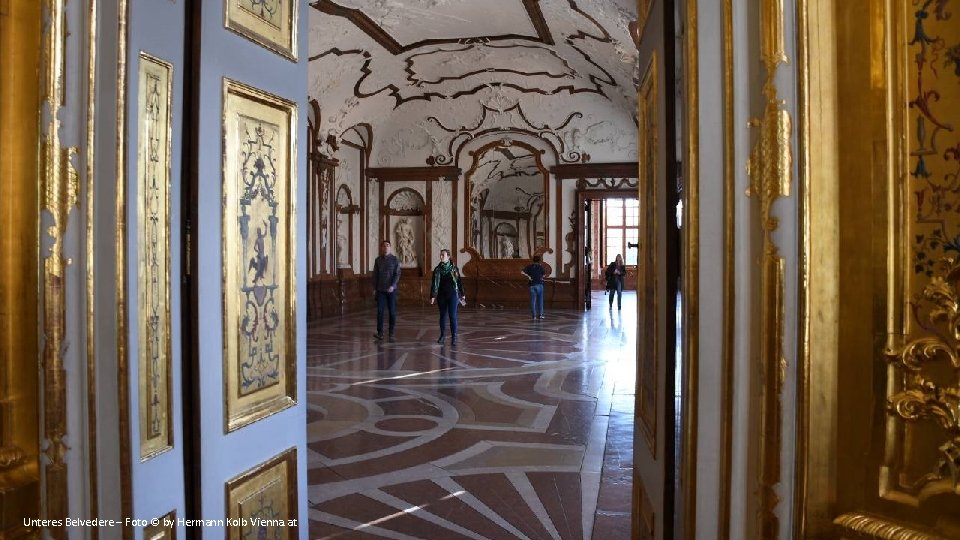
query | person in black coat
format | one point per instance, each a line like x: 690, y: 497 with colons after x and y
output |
x: 447, y: 293
x: 615, y: 272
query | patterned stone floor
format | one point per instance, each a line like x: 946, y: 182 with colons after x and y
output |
x: 522, y: 430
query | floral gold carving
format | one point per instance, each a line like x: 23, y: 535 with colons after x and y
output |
x: 927, y: 393
x: 872, y: 527
x: 58, y: 196
x: 769, y: 168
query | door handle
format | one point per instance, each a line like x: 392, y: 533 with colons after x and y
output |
x: 633, y: 245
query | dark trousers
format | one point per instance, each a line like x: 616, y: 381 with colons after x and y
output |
x: 619, y: 292
x: 388, y: 301
x: 448, y: 310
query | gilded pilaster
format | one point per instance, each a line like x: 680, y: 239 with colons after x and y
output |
x: 59, y: 191
x: 769, y: 168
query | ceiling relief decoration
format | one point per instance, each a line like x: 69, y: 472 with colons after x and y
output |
x: 472, y: 81
x: 605, y: 184
x: 431, y: 75
x: 457, y: 63
x: 499, y: 116
x: 442, y: 138
x: 399, y: 26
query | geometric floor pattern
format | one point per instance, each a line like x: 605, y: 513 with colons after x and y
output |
x: 524, y: 429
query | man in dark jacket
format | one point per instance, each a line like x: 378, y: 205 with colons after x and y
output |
x: 386, y: 276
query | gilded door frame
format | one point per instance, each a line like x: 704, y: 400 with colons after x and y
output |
x: 823, y: 504
x: 20, y: 39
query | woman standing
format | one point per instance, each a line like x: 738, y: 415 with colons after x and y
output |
x: 447, y: 293
x: 615, y: 273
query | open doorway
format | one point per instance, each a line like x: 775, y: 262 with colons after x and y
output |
x: 614, y: 229
x: 487, y: 145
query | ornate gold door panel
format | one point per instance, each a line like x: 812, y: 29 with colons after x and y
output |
x: 19, y: 405
x: 247, y: 281
x: 880, y: 431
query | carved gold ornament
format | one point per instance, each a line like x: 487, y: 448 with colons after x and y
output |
x: 770, y: 172
x: 868, y: 526
x: 928, y: 369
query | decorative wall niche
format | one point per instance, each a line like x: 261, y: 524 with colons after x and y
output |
x: 404, y: 214
x: 345, y: 227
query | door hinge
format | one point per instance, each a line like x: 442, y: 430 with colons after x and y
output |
x: 187, y: 249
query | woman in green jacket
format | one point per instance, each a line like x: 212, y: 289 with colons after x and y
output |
x: 447, y: 293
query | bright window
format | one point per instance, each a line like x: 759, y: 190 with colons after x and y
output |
x: 621, y: 227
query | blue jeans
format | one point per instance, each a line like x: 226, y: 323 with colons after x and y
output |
x: 619, y: 293
x: 386, y: 300
x: 536, y: 300
x: 448, y: 310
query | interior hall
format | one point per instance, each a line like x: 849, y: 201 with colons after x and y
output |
x: 485, y: 269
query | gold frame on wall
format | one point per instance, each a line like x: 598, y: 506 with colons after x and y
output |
x: 162, y: 528
x: 259, y: 247
x: 648, y: 343
x: 870, y: 111
x: 154, y: 146
x: 274, y: 31
x: 643, y: 15
x: 268, y: 487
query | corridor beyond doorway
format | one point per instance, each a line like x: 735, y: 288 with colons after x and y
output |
x: 524, y: 430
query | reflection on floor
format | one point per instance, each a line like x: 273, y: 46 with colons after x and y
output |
x: 523, y: 430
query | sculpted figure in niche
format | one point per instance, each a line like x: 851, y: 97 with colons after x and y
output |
x: 342, y: 251
x: 506, y: 247
x: 404, y: 234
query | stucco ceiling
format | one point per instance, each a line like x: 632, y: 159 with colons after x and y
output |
x: 421, y: 72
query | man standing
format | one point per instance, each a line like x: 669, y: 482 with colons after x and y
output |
x: 386, y: 276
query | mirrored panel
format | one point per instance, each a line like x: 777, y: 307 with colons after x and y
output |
x: 506, y: 205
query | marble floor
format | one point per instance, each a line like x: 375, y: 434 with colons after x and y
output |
x: 524, y: 429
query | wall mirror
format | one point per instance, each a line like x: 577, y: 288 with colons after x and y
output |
x: 507, y: 201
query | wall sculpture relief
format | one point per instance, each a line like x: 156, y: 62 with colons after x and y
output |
x: 373, y: 224
x: 442, y: 215
x: 406, y: 223
x: 343, y: 246
x: 404, y: 234
x: 506, y: 234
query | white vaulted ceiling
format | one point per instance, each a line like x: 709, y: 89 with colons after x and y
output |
x: 430, y: 76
